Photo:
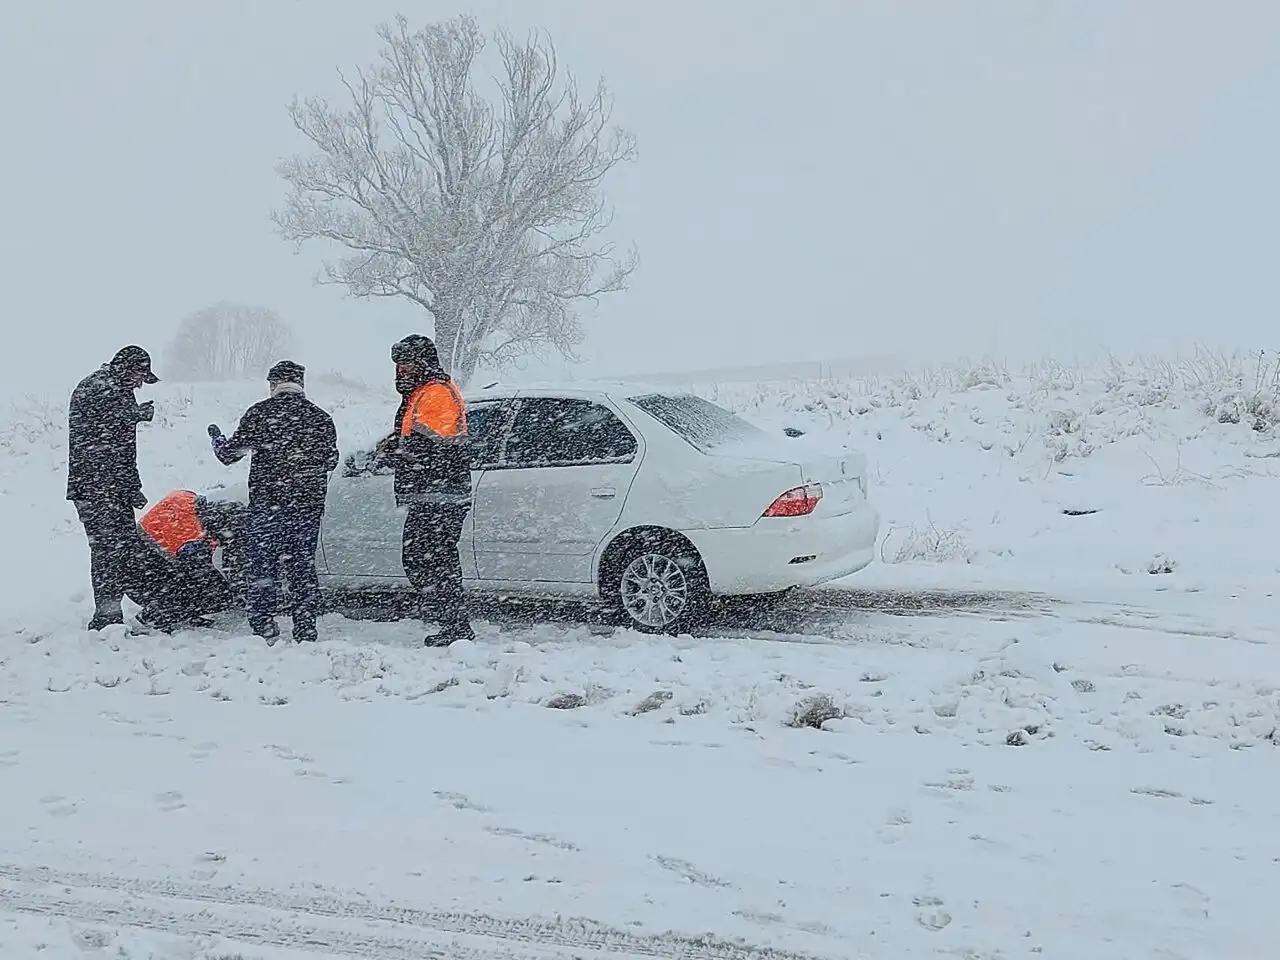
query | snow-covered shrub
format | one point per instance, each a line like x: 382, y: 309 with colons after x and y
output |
x: 1055, y: 377
x: 984, y: 374
x: 1066, y: 436
x: 1237, y: 390
x: 925, y: 543
x: 35, y: 427
x: 814, y: 712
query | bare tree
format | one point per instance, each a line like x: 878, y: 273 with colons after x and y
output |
x: 488, y: 215
x: 228, y: 341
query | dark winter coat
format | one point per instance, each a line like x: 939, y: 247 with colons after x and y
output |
x: 294, y: 447
x: 431, y: 468
x: 102, y: 440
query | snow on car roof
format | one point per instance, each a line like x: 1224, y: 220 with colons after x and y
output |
x: 574, y: 388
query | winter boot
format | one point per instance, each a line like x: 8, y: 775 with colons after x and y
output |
x: 449, y: 632
x: 155, y: 617
x: 304, y: 630
x: 105, y: 615
x: 100, y: 621
x: 268, y: 630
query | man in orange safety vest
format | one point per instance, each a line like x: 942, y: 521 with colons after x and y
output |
x: 433, y: 479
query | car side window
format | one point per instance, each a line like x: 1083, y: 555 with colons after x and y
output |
x: 560, y: 431
x: 486, y: 422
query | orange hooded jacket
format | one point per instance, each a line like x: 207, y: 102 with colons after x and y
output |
x: 173, y: 522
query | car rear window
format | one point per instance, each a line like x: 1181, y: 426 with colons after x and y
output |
x: 700, y: 422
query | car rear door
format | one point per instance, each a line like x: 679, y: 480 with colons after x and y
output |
x: 557, y: 491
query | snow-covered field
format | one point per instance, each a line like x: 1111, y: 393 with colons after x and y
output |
x: 1044, y: 724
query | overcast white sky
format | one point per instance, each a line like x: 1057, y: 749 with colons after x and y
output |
x: 817, y: 178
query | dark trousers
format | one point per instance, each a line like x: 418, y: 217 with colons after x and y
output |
x: 282, y: 541
x: 429, y: 551
x: 181, y: 588
x: 115, y: 547
x: 199, y: 588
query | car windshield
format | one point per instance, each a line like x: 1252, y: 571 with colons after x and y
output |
x: 700, y: 422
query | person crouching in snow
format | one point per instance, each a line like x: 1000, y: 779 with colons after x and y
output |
x: 186, y: 527
x: 294, y: 448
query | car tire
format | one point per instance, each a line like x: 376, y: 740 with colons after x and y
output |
x: 656, y: 585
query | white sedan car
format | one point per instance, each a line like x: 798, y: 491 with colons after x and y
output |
x: 651, y: 501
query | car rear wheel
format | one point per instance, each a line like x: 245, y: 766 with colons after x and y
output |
x: 657, y: 586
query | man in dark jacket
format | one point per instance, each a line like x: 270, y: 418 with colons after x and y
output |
x: 102, y: 474
x: 433, y: 478
x: 294, y: 448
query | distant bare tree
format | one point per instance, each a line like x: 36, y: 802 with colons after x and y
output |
x: 228, y: 341
x: 488, y: 215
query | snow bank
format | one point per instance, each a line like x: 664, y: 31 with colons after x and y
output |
x: 980, y: 684
x: 1147, y: 470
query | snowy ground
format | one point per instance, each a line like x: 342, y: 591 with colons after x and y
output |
x: 1024, y: 733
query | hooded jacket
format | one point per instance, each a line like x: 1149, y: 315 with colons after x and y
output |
x: 432, y: 460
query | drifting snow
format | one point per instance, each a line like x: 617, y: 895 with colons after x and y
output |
x: 1074, y: 760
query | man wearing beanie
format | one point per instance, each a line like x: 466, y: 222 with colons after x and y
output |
x: 428, y: 448
x: 294, y: 448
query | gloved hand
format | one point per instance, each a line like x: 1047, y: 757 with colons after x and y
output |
x: 139, y: 500
x: 146, y: 411
x: 216, y: 436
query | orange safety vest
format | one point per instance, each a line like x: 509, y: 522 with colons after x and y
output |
x: 173, y: 521
x: 436, y: 406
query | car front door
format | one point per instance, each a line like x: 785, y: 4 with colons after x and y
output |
x: 557, y: 490
x: 363, y: 525
x: 360, y: 536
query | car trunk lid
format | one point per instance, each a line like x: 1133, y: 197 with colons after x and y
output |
x: 840, y: 473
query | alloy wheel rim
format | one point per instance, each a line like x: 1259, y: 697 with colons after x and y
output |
x: 655, y: 590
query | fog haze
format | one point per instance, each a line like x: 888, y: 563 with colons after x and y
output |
x: 815, y: 180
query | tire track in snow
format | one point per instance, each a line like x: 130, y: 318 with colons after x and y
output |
x: 290, y: 920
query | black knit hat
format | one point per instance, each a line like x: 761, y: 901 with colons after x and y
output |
x: 286, y: 371
x: 418, y: 349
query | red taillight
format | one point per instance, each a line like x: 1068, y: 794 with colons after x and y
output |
x: 796, y: 502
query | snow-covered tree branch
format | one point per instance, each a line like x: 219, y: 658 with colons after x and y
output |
x: 486, y: 212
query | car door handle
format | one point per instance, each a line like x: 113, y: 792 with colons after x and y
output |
x: 604, y: 493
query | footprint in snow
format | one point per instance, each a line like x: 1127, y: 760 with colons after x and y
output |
x: 1157, y: 792
x: 930, y: 915
x: 460, y: 801
x: 689, y: 872
x: 895, y: 826
x: 288, y: 753
x: 58, y: 805
x: 542, y: 838
x: 170, y: 801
